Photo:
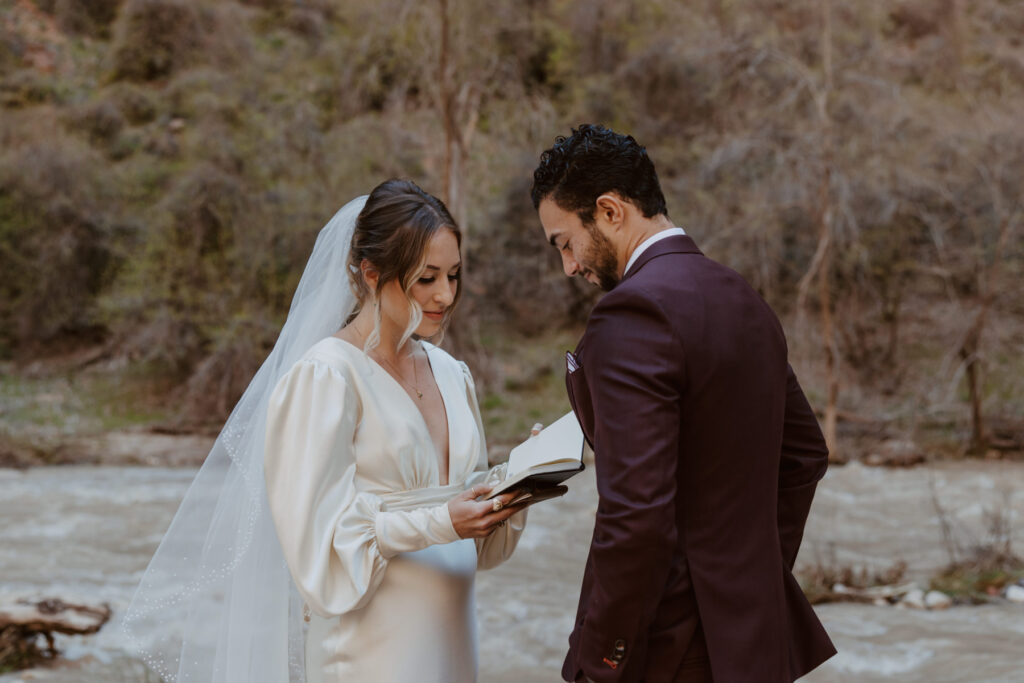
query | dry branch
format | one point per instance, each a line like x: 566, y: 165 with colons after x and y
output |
x: 23, y: 621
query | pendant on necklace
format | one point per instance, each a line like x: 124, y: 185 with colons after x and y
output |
x: 419, y: 393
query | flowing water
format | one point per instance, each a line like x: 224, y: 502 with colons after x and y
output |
x: 87, y: 533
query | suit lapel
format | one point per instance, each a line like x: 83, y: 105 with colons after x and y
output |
x: 576, y: 381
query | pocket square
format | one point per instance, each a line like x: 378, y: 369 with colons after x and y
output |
x: 571, y: 364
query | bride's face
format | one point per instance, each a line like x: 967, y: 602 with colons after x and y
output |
x: 433, y: 290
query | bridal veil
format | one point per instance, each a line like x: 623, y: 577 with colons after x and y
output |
x: 217, y: 603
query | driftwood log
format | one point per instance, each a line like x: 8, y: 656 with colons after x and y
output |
x: 22, y: 622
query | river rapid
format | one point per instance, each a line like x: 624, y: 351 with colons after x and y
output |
x: 88, y: 532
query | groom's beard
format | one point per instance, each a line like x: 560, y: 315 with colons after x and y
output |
x: 600, y: 259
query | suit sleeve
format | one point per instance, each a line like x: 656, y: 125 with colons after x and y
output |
x: 633, y: 364
x: 803, y: 463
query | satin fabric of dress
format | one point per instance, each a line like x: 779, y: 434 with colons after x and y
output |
x: 390, y: 587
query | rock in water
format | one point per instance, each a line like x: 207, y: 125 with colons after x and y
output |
x: 937, y: 600
x: 1015, y: 593
x: 914, y: 598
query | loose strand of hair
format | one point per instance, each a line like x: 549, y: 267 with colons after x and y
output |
x: 415, y: 312
x: 373, y: 339
x: 415, y: 318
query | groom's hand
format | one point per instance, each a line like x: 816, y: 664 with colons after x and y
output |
x: 473, y: 519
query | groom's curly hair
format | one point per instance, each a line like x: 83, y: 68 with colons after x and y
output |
x: 592, y: 161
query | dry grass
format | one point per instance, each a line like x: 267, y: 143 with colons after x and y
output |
x: 980, y: 579
x: 980, y: 566
x: 821, y: 579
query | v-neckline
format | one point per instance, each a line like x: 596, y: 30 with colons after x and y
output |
x: 423, y: 420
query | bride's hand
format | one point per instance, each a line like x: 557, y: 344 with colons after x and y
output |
x: 473, y: 519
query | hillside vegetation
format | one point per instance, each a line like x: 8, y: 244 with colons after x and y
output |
x: 165, y: 165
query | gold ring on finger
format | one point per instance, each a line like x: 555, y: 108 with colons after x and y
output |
x: 496, y: 505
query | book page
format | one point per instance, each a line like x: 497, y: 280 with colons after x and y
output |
x: 562, y: 440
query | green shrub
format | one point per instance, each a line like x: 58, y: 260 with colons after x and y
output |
x: 182, y: 283
x: 672, y: 88
x: 232, y: 356
x: 86, y: 17
x: 203, y: 92
x: 27, y: 87
x: 521, y: 278
x: 272, y: 5
x: 100, y: 121
x: 12, y: 47
x: 154, y: 38
x: 137, y: 104
x: 54, y: 244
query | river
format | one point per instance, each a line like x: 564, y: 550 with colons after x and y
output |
x: 88, y: 532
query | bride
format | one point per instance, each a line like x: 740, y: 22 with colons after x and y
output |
x: 333, y: 532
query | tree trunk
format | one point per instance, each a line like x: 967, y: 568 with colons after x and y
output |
x: 891, y: 315
x: 447, y: 115
x: 821, y: 263
x: 458, y: 110
x: 829, y: 344
x: 979, y: 442
x: 828, y: 339
x: 969, y: 348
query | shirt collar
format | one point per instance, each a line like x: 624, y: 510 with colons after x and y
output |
x: 656, y: 237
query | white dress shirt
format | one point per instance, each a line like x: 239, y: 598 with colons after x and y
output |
x: 656, y: 237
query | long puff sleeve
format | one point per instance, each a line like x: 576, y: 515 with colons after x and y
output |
x: 335, y: 538
x: 497, y: 547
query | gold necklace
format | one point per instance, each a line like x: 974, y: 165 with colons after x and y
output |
x: 416, y: 384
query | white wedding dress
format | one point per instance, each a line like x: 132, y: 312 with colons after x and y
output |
x: 354, y: 492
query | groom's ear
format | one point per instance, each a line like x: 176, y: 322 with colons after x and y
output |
x: 610, y: 210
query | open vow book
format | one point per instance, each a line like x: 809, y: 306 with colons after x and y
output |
x: 538, y: 466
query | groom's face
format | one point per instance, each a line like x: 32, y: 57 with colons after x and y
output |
x: 584, y: 249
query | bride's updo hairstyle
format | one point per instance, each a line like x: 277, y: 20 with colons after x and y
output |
x: 392, y: 232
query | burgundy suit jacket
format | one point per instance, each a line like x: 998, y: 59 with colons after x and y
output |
x: 707, y: 455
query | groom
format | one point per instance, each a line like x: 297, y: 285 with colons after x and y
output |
x: 707, y: 453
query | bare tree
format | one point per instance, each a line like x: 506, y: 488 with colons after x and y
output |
x: 468, y: 72
x: 821, y: 265
x: 968, y: 347
x: 457, y: 101
x: 972, y: 207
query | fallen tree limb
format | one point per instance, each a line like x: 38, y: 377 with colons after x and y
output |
x: 22, y: 623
